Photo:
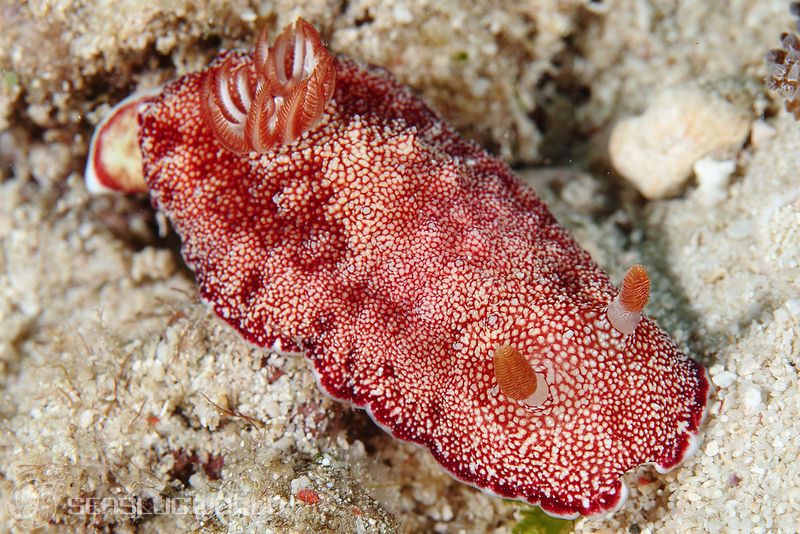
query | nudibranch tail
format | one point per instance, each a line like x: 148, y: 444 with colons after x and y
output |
x: 274, y: 100
x: 516, y: 378
x: 625, y: 311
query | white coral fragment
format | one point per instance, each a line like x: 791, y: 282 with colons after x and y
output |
x: 656, y: 150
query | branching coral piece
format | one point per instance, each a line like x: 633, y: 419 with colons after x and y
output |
x: 783, y: 65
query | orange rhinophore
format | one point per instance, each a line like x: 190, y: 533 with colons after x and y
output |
x: 625, y: 311
x: 516, y: 378
x: 635, y: 289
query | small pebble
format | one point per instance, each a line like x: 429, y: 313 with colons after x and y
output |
x: 402, y: 15
x: 793, y: 306
x: 751, y: 397
x: 740, y: 229
x: 724, y: 379
x: 86, y: 419
x: 760, y: 133
x: 713, y: 177
x: 299, y: 483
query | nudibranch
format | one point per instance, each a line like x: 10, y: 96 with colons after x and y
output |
x: 325, y: 207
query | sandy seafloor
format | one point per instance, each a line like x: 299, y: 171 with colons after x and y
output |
x: 118, y: 383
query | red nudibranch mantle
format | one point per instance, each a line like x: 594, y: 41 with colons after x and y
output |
x: 355, y: 224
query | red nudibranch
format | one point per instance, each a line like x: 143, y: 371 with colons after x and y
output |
x: 424, y: 282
